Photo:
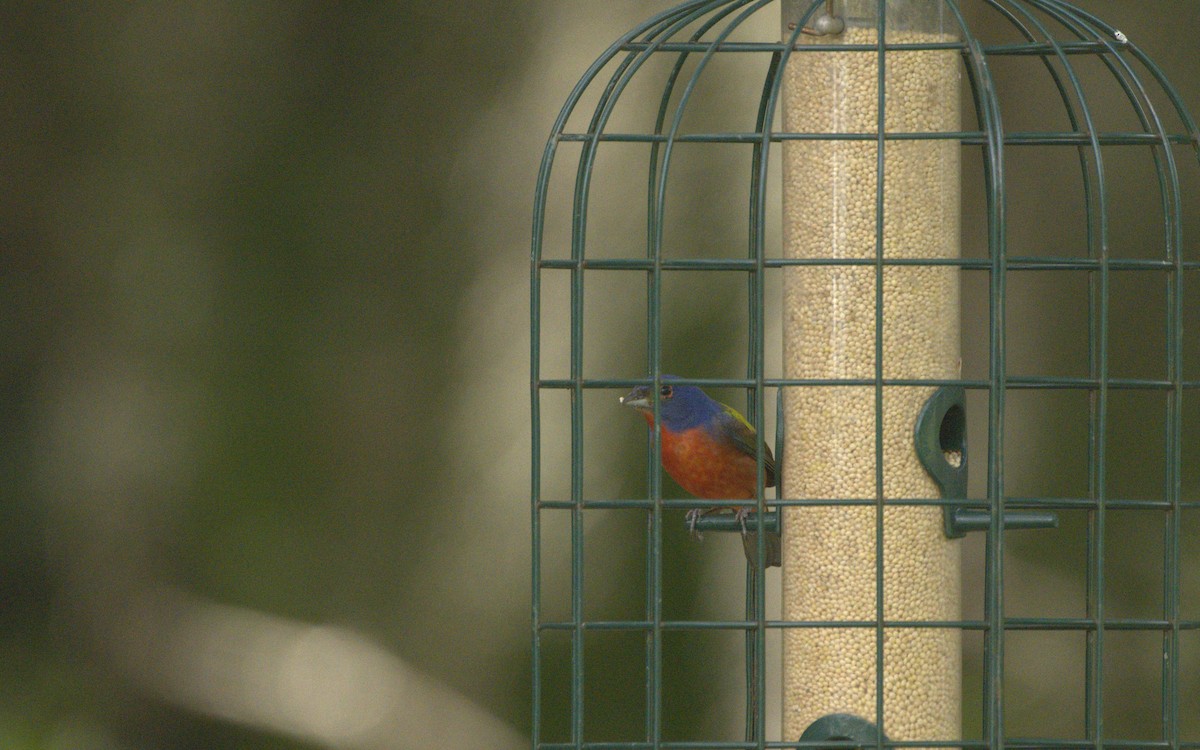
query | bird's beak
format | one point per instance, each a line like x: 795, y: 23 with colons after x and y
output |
x: 636, y: 399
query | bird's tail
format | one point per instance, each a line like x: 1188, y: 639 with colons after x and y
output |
x: 773, y: 548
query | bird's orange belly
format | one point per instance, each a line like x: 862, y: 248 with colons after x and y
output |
x: 707, y: 468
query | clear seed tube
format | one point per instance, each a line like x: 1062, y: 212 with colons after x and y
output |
x: 832, y: 208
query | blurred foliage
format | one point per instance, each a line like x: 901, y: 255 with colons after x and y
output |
x: 263, y: 296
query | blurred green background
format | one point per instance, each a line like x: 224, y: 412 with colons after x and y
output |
x: 264, y: 311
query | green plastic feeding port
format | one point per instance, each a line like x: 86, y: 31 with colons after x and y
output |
x: 941, y: 442
x: 839, y: 730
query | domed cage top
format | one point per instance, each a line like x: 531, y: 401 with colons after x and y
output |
x: 827, y: 138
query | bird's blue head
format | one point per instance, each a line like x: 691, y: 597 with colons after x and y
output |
x: 682, y: 407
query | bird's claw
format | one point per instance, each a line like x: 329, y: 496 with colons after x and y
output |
x: 694, y: 514
x: 740, y: 514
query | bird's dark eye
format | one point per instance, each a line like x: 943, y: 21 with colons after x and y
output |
x: 665, y: 391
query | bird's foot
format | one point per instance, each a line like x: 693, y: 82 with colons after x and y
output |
x: 740, y: 514
x: 692, y: 516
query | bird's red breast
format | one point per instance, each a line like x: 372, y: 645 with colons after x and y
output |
x: 707, y: 467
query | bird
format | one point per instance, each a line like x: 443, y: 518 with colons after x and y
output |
x: 710, y: 450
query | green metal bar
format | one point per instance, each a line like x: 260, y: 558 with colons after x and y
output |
x: 654, y: 527
x: 535, y: 492
x: 1029, y: 48
x: 776, y: 47
x: 755, y: 647
x: 657, y: 182
x: 727, y: 523
x: 1010, y: 623
x: 756, y: 292
x: 1173, y: 457
x: 767, y: 108
x: 967, y: 137
x: 880, y: 154
x: 1016, y: 382
x: 988, y: 113
x: 1098, y: 410
x: 1017, y: 743
x: 535, y: 419
x: 965, y: 521
x: 1015, y: 503
x: 1042, y: 49
x: 576, y: 367
x: 1088, y: 192
x: 1016, y: 263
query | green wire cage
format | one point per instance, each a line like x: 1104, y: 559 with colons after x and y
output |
x: 828, y: 187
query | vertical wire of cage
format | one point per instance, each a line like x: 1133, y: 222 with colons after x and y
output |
x: 907, y: 694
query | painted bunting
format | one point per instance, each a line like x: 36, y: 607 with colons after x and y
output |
x: 709, y: 449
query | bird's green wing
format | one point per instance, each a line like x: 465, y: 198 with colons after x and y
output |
x: 742, y: 434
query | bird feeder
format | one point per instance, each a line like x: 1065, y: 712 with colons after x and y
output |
x: 873, y: 154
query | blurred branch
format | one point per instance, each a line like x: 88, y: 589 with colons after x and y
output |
x: 321, y: 683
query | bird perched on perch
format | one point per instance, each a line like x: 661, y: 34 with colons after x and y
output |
x: 710, y: 450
